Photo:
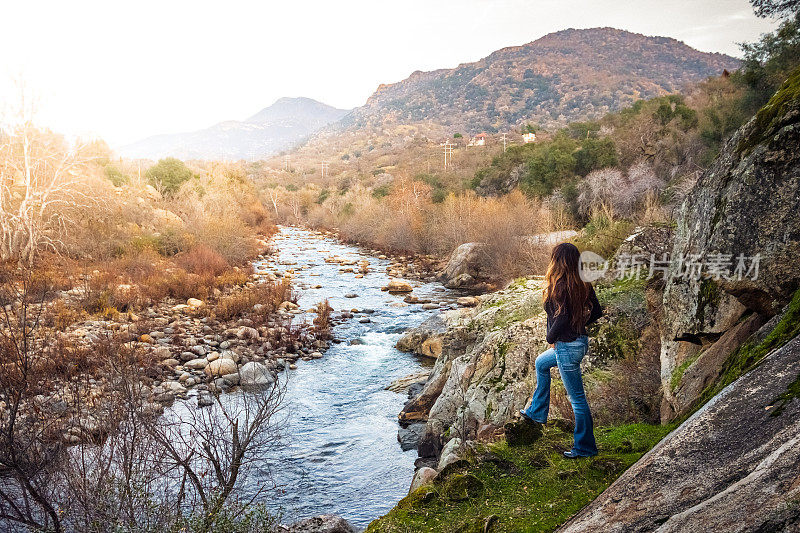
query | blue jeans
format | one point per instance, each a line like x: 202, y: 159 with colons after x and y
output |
x: 568, y: 356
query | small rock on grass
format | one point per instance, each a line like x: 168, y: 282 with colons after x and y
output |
x: 522, y: 432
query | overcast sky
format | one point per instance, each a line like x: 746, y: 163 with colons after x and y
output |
x: 127, y: 70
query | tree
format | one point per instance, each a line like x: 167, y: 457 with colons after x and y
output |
x: 775, y: 8
x: 44, y: 183
x: 595, y: 154
x: 768, y: 62
x: 168, y: 174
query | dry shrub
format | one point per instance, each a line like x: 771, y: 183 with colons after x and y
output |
x: 62, y: 315
x: 614, y: 192
x: 229, y: 237
x: 322, y: 322
x: 139, y: 264
x: 177, y: 283
x: 559, y: 401
x: 633, y: 392
x: 203, y: 261
x: 235, y: 277
x: 257, y: 302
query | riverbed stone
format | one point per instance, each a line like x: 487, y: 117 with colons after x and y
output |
x: 196, y: 364
x: 220, y: 367
x: 247, y: 333
x: 319, y: 524
x: 398, y: 285
x: 254, y: 374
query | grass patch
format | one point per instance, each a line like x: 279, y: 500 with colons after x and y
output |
x: 521, y: 488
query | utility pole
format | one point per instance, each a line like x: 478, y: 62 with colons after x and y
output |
x: 286, y: 162
x: 504, y: 143
x: 448, y: 153
x: 324, y: 167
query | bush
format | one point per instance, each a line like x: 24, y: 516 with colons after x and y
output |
x: 203, y: 260
x: 603, y: 235
x: 116, y: 176
x: 612, y: 192
x: 168, y: 174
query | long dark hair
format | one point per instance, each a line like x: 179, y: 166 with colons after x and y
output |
x: 564, y: 286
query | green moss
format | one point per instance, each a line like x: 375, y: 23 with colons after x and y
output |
x: 615, y: 339
x: 750, y: 354
x: 767, y: 120
x: 625, y: 290
x: 677, y: 374
x: 708, y: 297
x: 792, y: 392
x: 524, y: 488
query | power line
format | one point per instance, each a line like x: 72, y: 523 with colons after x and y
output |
x: 324, y: 167
x: 448, y: 153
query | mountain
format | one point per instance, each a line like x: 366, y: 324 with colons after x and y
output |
x: 564, y: 76
x: 274, y: 128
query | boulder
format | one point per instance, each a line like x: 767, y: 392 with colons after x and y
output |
x: 409, y: 437
x: 194, y: 302
x: 254, y: 374
x: 467, y: 264
x: 423, y: 476
x: 450, y: 453
x: 468, y: 301
x: 689, y: 384
x: 745, y: 206
x: 485, y: 372
x: 319, y: 524
x: 220, y: 367
x: 413, y: 339
x: 398, y: 285
x: 522, y: 432
x: 196, y: 364
x: 733, y: 466
x: 432, y: 347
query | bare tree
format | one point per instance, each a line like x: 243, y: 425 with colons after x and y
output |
x: 42, y: 182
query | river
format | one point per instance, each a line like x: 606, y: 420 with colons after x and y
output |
x: 341, y: 453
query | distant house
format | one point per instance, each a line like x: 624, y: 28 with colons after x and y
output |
x: 478, y: 140
x: 529, y: 137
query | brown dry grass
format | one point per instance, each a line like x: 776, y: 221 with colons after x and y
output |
x: 257, y: 303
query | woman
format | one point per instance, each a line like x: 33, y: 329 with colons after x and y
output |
x: 570, y: 304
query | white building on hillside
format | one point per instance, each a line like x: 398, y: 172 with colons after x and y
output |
x: 478, y: 140
x: 528, y: 137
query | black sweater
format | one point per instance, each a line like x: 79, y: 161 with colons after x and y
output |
x: 559, y: 327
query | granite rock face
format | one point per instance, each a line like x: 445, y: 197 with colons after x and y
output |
x: 733, y: 466
x: 485, y: 372
x: 745, y: 205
